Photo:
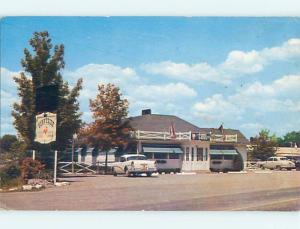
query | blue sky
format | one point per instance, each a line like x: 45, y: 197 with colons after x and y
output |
x: 244, y: 72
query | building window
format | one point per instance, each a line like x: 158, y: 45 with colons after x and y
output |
x: 222, y: 147
x: 149, y: 155
x: 192, y: 157
x: 228, y: 157
x: 160, y: 155
x: 187, y: 153
x: 199, y: 154
x: 174, y: 156
x: 216, y: 157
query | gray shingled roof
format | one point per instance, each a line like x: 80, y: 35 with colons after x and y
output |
x: 162, y: 123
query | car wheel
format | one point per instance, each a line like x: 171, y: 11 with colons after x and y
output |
x: 278, y: 167
x: 149, y: 174
x: 288, y: 169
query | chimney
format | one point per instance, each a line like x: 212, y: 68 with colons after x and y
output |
x: 146, y: 112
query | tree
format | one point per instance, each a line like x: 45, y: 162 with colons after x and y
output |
x: 290, y: 139
x: 42, y: 68
x: 264, y: 145
x: 108, y: 130
x: 7, y: 141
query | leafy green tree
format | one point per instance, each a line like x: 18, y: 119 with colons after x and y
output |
x: 12, y: 149
x: 108, y: 130
x: 264, y: 145
x: 290, y: 139
x: 43, y: 67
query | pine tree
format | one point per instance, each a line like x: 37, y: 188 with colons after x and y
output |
x: 42, y: 68
x: 108, y: 130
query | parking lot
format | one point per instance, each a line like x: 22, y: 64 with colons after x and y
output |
x: 261, y: 190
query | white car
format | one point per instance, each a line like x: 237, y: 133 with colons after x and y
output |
x: 278, y: 163
x: 134, y: 164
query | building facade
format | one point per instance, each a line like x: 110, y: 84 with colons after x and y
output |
x: 170, y: 139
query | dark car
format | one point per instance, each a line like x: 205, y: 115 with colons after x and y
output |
x: 297, y: 164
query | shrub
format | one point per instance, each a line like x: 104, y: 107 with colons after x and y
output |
x: 31, y: 168
x: 10, y: 175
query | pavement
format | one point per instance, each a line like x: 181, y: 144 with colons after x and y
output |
x: 251, y: 191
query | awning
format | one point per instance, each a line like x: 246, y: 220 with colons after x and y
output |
x: 162, y: 150
x: 223, y: 152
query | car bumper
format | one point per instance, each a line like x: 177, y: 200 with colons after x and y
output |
x: 139, y: 171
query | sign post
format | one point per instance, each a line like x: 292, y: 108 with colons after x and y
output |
x: 45, y: 132
x: 73, y: 146
x: 55, y: 166
x: 33, y: 154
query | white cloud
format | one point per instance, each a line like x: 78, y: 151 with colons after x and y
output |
x: 8, y: 97
x: 289, y: 49
x: 255, y: 61
x: 7, y: 81
x: 169, y: 98
x: 281, y: 95
x: 95, y: 74
x: 253, y: 127
x: 216, y: 108
x: 167, y: 92
x: 185, y: 72
x: 140, y: 94
x: 237, y: 64
x: 243, y: 62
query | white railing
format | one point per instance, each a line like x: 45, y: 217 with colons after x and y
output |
x: 139, y: 134
x: 231, y: 138
x: 223, y: 138
x: 160, y: 135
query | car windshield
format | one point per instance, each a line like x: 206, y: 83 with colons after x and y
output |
x: 136, y: 158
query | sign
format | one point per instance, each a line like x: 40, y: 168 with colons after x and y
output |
x: 200, y: 136
x: 45, y: 130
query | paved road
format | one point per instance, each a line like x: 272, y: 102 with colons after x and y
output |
x: 277, y: 191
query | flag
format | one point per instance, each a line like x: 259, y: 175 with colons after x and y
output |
x: 221, y: 128
x: 172, y: 131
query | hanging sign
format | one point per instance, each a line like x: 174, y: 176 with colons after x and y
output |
x: 45, y: 130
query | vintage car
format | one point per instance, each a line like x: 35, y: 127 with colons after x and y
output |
x: 134, y: 164
x: 278, y: 163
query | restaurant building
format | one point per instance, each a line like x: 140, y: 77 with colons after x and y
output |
x: 171, y: 139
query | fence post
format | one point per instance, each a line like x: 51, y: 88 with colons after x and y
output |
x: 55, y: 166
x: 33, y: 154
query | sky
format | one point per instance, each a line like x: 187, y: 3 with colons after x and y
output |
x: 242, y: 72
